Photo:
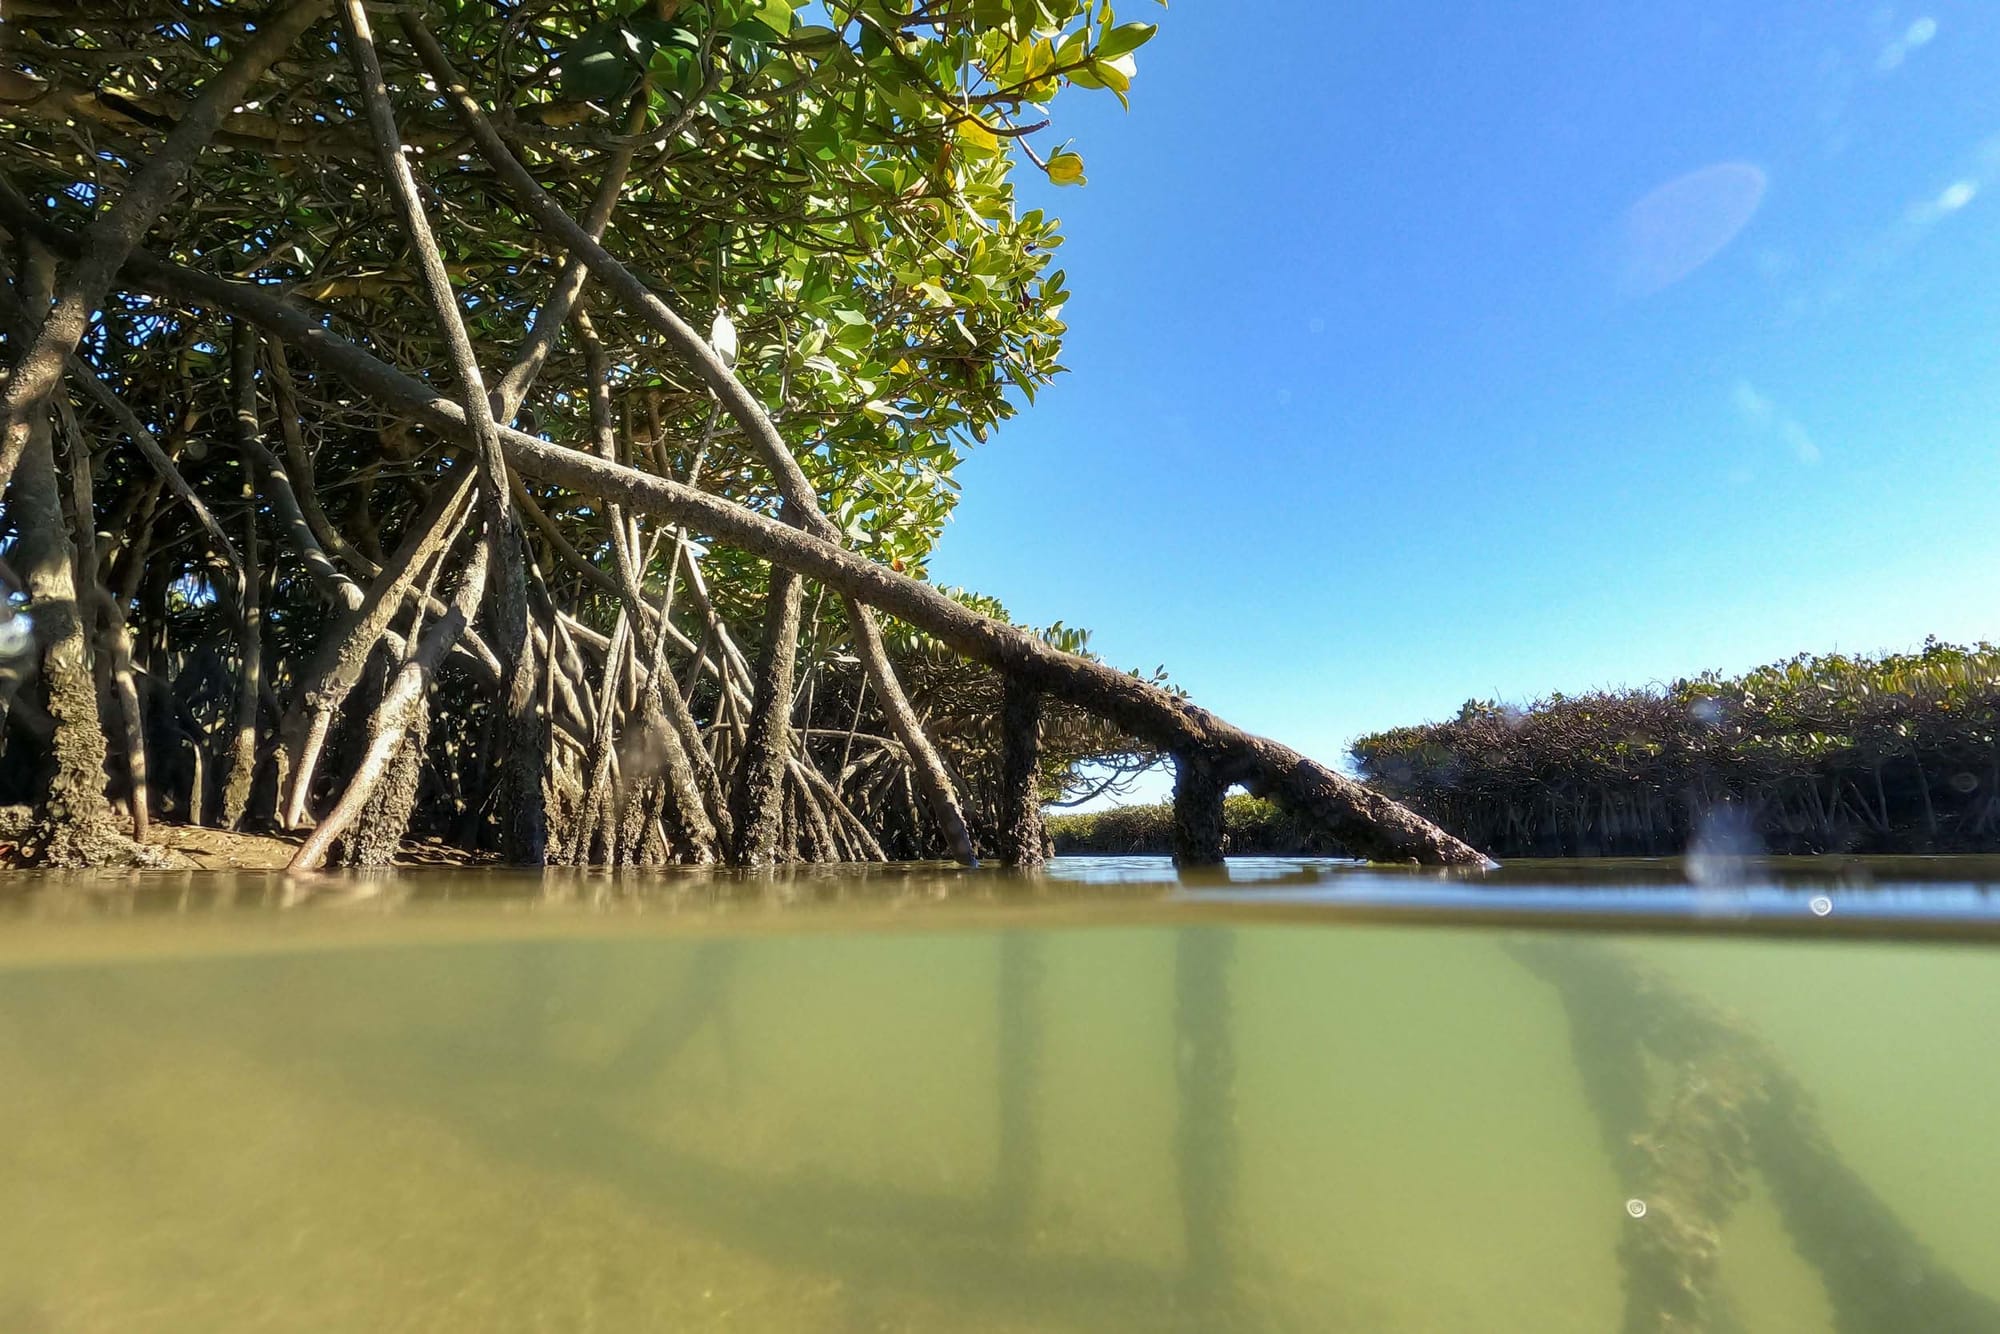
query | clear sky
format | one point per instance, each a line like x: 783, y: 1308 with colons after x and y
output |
x: 1429, y: 351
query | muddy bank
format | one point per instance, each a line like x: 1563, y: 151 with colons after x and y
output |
x: 180, y: 847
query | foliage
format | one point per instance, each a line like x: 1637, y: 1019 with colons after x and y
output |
x: 838, y: 178
x: 1820, y: 753
x: 844, y: 191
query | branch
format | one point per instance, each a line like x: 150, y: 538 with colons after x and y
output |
x: 117, y: 231
x: 801, y: 498
x: 438, y: 291
x: 86, y: 378
x: 1365, y: 821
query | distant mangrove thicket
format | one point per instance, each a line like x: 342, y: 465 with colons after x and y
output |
x: 1826, y: 753
x: 1251, y: 827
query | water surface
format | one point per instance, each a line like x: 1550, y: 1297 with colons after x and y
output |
x: 1304, y: 1097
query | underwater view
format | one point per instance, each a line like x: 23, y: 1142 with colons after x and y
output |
x: 939, y: 1100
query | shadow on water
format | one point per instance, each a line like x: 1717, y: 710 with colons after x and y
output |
x: 1691, y: 1104
x: 975, y: 1251
x: 703, y: 1000
x: 1018, y: 1062
x: 1205, y: 1156
x: 878, y: 1241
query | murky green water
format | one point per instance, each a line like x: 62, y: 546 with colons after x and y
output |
x: 439, y: 1102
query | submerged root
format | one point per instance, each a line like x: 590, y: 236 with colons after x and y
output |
x: 1691, y: 1102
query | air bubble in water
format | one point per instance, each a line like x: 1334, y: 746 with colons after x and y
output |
x: 1636, y: 1208
x: 1821, y: 905
x: 17, y: 637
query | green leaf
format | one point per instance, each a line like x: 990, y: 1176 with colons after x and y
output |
x: 816, y: 38
x: 599, y: 64
x: 1116, y: 74
x: 653, y: 32
x: 775, y: 15
x: 1066, y: 168
x: 977, y: 138
x: 1124, y: 38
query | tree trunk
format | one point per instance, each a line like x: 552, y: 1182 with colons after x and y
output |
x: 289, y: 514
x: 377, y: 833
x: 521, y: 741
x: 99, y: 608
x: 299, y: 483
x: 119, y: 638
x: 1691, y: 1106
x: 758, y: 797
x: 1021, y: 841
x: 250, y: 621
x: 597, y: 792
x: 707, y: 818
x: 75, y: 828
x: 1198, y: 793
x: 407, y: 696
x: 681, y: 807
x: 925, y: 762
x: 694, y: 793
x: 815, y: 831
x: 861, y: 840
x: 344, y: 648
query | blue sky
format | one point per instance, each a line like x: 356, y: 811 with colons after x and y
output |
x: 1431, y: 351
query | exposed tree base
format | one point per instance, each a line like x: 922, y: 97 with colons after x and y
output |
x: 377, y: 835
x: 29, y: 838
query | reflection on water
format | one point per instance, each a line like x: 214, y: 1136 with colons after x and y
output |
x: 613, y: 1104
